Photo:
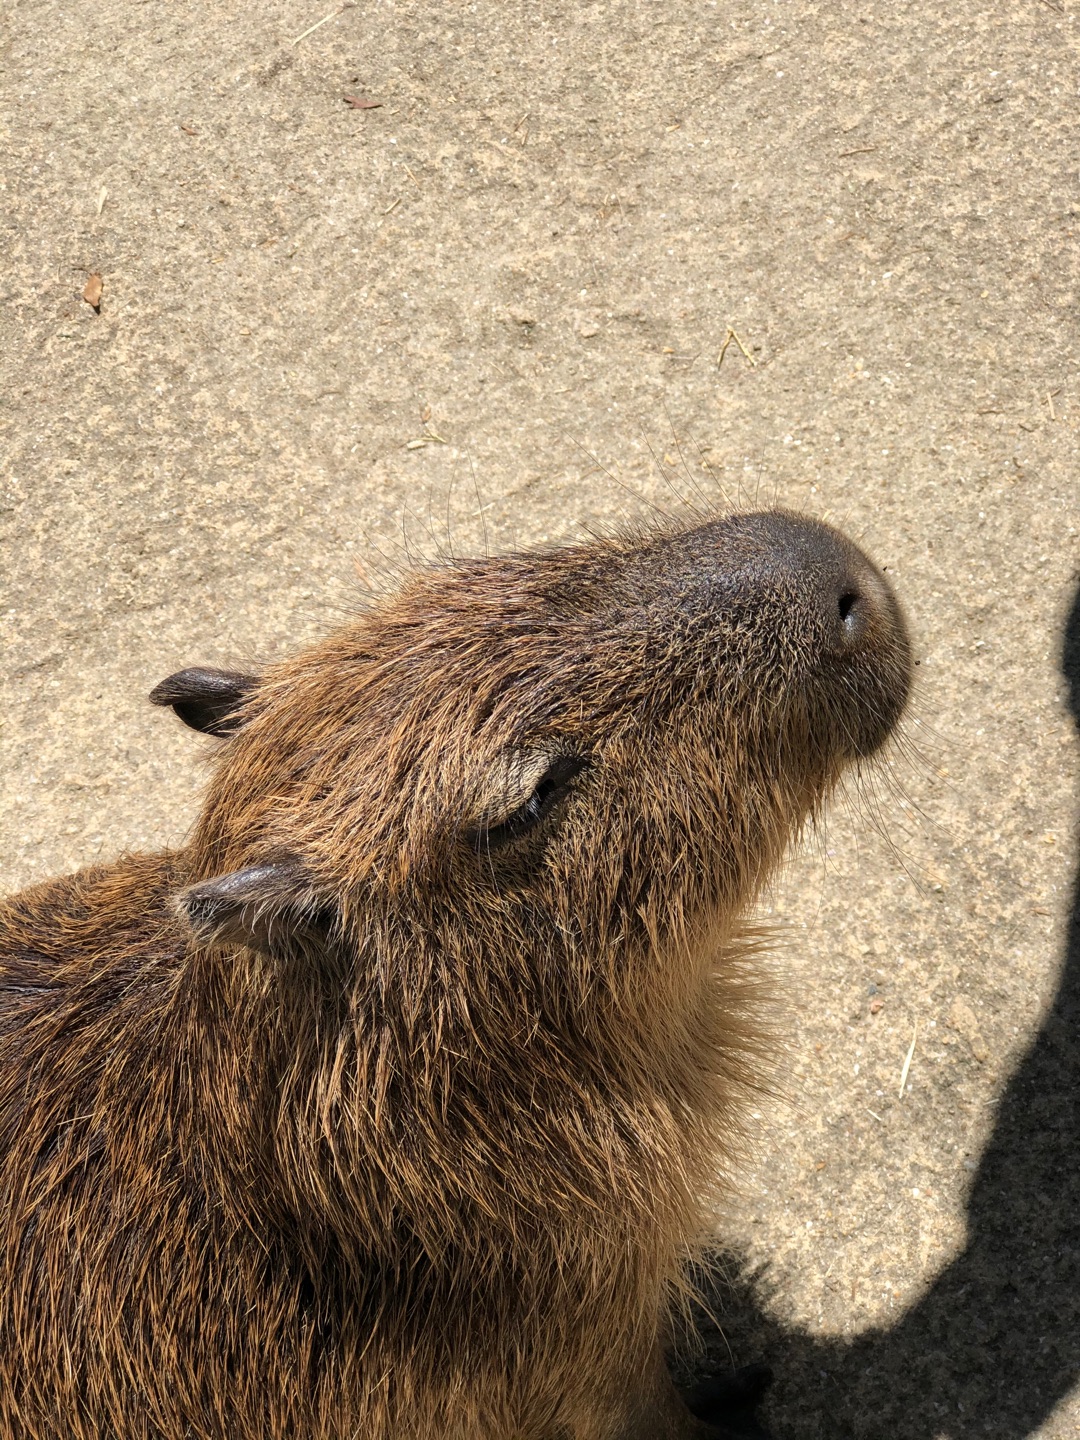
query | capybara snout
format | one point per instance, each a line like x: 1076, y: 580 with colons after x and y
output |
x: 794, y: 607
x: 394, y: 1103
x: 817, y: 598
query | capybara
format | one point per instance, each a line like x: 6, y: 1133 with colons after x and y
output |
x: 394, y: 1104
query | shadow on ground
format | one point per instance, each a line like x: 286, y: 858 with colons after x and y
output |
x: 994, y: 1346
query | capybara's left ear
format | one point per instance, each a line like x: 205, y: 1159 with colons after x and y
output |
x: 262, y: 906
x: 207, y: 700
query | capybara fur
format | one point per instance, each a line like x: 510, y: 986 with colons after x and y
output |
x: 394, y: 1104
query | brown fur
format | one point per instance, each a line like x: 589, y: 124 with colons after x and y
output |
x: 415, y: 1137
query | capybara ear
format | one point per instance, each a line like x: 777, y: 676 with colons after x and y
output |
x: 261, y: 906
x: 207, y: 700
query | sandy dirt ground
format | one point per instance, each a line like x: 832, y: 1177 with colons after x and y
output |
x: 489, y: 309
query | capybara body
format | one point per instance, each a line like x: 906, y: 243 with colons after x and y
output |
x: 392, y: 1106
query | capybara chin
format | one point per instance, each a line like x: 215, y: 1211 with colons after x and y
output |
x: 392, y: 1106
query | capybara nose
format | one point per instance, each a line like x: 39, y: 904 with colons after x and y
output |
x: 830, y: 634
x: 814, y: 570
x: 854, y: 600
x: 861, y: 671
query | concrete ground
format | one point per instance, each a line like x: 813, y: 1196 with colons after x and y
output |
x: 490, y: 309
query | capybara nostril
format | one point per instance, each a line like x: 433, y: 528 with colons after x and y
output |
x: 851, y: 608
x: 857, y: 597
x: 850, y: 603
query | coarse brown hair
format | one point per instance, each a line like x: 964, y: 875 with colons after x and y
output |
x: 394, y: 1104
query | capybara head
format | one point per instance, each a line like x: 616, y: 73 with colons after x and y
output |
x: 495, y: 841
x: 532, y: 797
x: 582, y: 752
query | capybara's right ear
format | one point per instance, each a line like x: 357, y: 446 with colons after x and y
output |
x: 207, y: 700
x: 261, y: 906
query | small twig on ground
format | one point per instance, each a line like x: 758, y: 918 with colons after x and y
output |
x: 731, y: 335
x: 345, y: 5
x: 907, y: 1062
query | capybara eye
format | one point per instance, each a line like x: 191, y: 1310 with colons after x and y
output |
x: 553, y: 785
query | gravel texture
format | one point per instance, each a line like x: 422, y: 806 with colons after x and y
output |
x: 489, y: 311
